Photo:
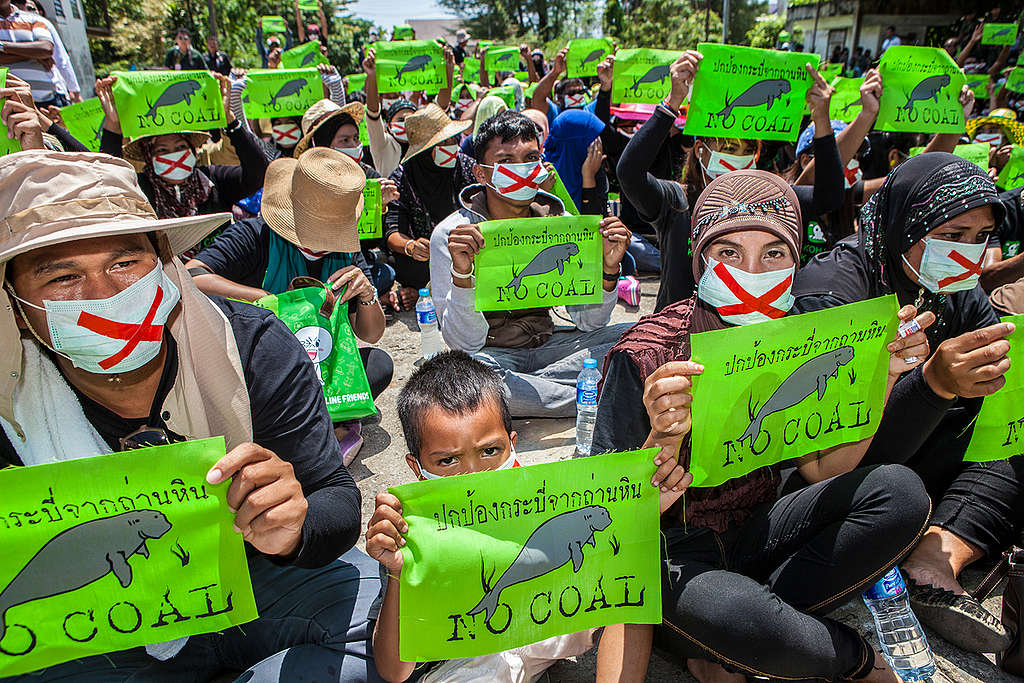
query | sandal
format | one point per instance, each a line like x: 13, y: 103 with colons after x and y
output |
x: 352, y: 442
x: 960, y: 619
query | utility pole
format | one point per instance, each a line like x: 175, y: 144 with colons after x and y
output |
x: 212, y: 11
x: 814, y: 33
x: 725, y: 21
x: 707, y: 20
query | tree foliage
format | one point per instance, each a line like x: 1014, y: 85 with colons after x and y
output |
x: 546, y: 20
x: 665, y: 24
x: 765, y: 32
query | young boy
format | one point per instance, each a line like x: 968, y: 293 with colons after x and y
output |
x: 456, y: 420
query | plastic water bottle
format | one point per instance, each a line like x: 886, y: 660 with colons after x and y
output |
x: 899, y: 632
x: 426, y: 316
x: 586, y: 405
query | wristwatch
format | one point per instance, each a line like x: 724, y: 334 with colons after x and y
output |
x: 372, y: 301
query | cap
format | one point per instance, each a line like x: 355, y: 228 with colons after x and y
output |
x: 807, y: 136
x: 590, y: 363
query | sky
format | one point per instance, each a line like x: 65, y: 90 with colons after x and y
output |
x: 390, y: 12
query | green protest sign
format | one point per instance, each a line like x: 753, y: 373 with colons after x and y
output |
x: 584, y: 55
x: 978, y: 84
x: 507, y: 93
x: 273, y: 24
x: 1012, y: 175
x: 501, y: 59
x: 370, y: 224
x: 771, y: 391
x: 560, y: 191
x: 749, y: 93
x: 7, y: 144
x: 309, y: 5
x: 158, y: 102
x: 999, y: 427
x: 117, y: 551
x: 975, y: 152
x: 500, y: 559
x: 470, y: 70
x: 409, y: 65
x: 355, y: 82
x: 845, y: 103
x: 830, y: 71
x: 921, y: 91
x: 84, y: 121
x: 307, y: 54
x: 1015, y: 80
x: 271, y: 93
x: 403, y: 32
x: 539, y: 262
x: 641, y: 75
x: 522, y: 76
x: 364, y: 135
x: 999, y: 34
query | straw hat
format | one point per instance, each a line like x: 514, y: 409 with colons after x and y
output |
x: 319, y: 114
x: 315, y: 201
x: 428, y: 126
x: 132, y: 148
x: 1002, y: 117
x: 52, y: 197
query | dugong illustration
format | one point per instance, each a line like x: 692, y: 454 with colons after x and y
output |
x: 592, y: 57
x: 182, y: 91
x: 290, y: 88
x: 762, y: 92
x: 1003, y: 32
x: 551, y: 545
x: 308, y: 59
x: 811, y: 376
x: 82, y: 554
x: 417, y: 63
x: 555, y: 256
x: 927, y: 89
x: 655, y: 74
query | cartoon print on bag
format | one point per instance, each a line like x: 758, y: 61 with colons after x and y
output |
x: 318, y: 344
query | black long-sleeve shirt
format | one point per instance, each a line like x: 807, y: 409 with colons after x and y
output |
x: 663, y: 204
x: 230, y: 183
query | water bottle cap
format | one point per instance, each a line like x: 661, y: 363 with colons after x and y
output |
x: 424, y: 292
x: 590, y: 363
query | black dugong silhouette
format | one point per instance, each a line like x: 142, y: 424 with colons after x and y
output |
x: 290, y: 88
x: 183, y: 91
x: 82, y: 554
x: 656, y: 74
x: 417, y: 63
x: 555, y: 256
x: 927, y: 89
x: 762, y: 92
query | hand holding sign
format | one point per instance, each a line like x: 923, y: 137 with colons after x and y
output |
x: 871, y: 93
x: 682, y: 72
x: 907, y: 352
x: 818, y: 96
x: 464, y: 243
x: 615, y: 238
x: 21, y: 120
x: 605, y: 71
x: 265, y: 496
x: 384, y: 531
x: 970, y: 365
x: 667, y: 398
x: 105, y: 92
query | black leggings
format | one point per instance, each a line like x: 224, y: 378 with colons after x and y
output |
x: 752, y: 597
x: 411, y: 273
x: 380, y: 369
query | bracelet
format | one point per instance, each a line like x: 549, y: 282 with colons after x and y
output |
x: 372, y: 301
x: 673, y: 110
x: 463, y: 276
x: 406, y: 248
x: 612, y: 277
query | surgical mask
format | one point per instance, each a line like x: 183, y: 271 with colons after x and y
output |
x: 575, y: 101
x: 949, y: 266
x: 462, y: 105
x: 445, y: 155
x: 517, y: 181
x: 285, y: 134
x: 174, y: 165
x: 994, y: 139
x: 398, y: 130
x: 743, y: 298
x: 386, y: 102
x: 721, y: 163
x: 510, y: 462
x: 356, y: 153
x: 853, y: 174
x: 117, y: 334
x: 312, y: 254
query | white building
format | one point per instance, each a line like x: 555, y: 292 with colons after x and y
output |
x: 68, y: 17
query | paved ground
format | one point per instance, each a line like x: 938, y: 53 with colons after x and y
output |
x: 382, y: 464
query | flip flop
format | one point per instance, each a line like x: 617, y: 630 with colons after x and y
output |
x: 960, y: 619
x: 351, y: 442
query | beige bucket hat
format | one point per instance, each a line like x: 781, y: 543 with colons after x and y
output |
x: 320, y: 113
x: 315, y: 201
x: 428, y: 126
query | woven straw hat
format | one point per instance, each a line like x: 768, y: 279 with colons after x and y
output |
x: 428, y: 126
x: 1003, y: 117
x: 320, y: 113
x: 315, y: 201
x: 132, y: 148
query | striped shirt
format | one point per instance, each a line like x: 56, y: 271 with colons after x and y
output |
x: 26, y: 27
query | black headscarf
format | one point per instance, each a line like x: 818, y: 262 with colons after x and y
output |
x: 436, y: 188
x: 919, y: 195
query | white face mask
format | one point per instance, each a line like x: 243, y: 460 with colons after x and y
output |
x: 517, y: 181
x: 721, y: 163
x: 117, y: 334
x: 510, y: 462
x: 462, y: 105
x: 743, y: 298
x: 445, y: 155
x: 575, y: 101
x: 386, y: 102
x: 174, y: 165
x: 994, y: 139
x: 949, y: 266
x: 853, y: 174
x: 311, y: 254
x: 356, y: 153
x: 398, y: 130
x: 285, y: 134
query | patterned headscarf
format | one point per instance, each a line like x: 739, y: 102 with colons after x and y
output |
x: 168, y: 201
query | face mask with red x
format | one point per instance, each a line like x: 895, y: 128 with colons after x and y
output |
x: 117, y: 334
x: 949, y: 266
x: 174, y: 165
x: 285, y: 134
x: 576, y: 101
x: 445, y: 155
x: 742, y: 298
x: 720, y: 163
x: 398, y: 130
x: 519, y: 182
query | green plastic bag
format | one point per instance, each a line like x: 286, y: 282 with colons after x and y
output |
x: 84, y: 120
x: 409, y: 65
x: 307, y: 54
x: 158, y: 102
x: 921, y: 91
x: 331, y: 346
x: 7, y: 144
x: 584, y: 55
x: 271, y: 93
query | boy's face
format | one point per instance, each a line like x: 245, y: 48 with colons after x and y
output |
x: 462, y: 444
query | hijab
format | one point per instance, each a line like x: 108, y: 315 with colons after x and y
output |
x: 571, y: 134
x: 918, y: 196
x: 172, y: 201
x: 488, y: 107
x: 435, y: 187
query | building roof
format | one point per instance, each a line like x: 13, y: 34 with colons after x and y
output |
x: 428, y: 29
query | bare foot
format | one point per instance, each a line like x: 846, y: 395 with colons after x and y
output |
x: 880, y: 672
x: 938, y: 559
x: 407, y: 297
x: 390, y: 301
x: 711, y: 672
x: 340, y: 432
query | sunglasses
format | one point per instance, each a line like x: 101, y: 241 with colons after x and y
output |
x: 144, y: 437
